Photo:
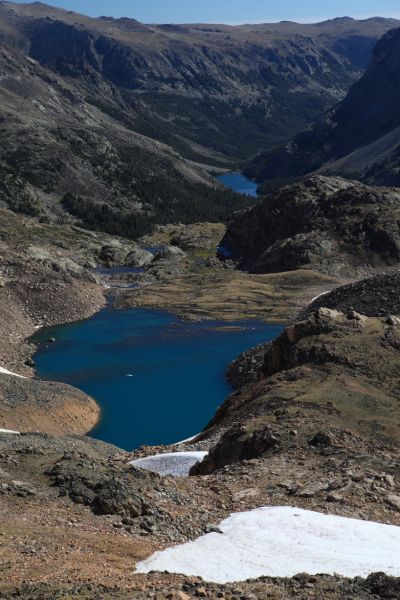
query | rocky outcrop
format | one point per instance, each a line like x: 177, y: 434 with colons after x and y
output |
x: 377, y: 296
x: 106, y: 493
x: 325, y: 378
x: 118, y: 254
x: 247, y: 367
x: 330, y: 224
x: 238, y: 444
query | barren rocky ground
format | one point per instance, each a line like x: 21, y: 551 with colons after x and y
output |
x: 312, y: 423
x: 47, y: 278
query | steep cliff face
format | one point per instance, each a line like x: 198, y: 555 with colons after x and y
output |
x: 358, y: 138
x: 328, y: 224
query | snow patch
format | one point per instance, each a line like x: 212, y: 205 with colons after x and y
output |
x: 6, y: 372
x: 9, y: 431
x: 319, y: 296
x: 187, y: 440
x: 281, y: 542
x: 175, y: 463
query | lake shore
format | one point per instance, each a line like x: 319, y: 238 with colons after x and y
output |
x: 191, y: 284
x: 290, y: 438
x: 121, y: 357
x: 195, y: 285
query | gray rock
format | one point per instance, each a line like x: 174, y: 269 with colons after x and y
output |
x: 139, y: 258
x: 393, y: 501
x: 393, y: 321
x: 334, y: 497
x: 355, y: 316
x: 169, y: 252
x: 212, y: 528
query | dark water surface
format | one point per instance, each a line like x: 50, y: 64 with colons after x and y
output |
x: 239, y: 183
x: 157, y: 379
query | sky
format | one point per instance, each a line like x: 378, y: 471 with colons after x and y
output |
x: 230, y: 11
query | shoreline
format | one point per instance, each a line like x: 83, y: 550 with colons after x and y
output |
x: 185, y: 268
x: 167, y: 284
x: 254, y: 333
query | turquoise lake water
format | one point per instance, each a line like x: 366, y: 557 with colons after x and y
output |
x: 239, y: 183
x: 158, y: 379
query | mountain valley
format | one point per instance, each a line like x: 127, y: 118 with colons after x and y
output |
x: 118, y: 123
x: 112, y: 133
x: 357, y: 139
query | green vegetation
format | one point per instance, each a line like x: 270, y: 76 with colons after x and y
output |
x: 219, y: 124
x: 163, y: 201
x: 16, y: 195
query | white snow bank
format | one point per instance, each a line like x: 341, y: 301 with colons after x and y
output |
x: 6, y: 372
x: 187, y: 440
x: 9, y: 431
x: 176, y: 463
x: 281, y: 542
x: 319, y: 296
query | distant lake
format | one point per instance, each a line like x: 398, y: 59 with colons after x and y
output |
x: 157, y: 379
x: 239, y: 183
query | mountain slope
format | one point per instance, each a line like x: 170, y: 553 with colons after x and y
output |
x: 202, y: 85
x: 359, y: 138
x: 61, y: 152
x: 111, y: 121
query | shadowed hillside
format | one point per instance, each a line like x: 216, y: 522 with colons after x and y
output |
x: 117, y: 123
x: 359, y: 138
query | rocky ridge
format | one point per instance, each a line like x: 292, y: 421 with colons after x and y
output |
x: 339, y: 227
x: 347, y: 358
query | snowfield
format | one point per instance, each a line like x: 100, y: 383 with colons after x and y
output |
x: 281, y: 542
x: 175, y: 463
x: 6, y: 372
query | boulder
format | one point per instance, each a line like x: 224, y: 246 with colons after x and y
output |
x: 139, y: 258
x: 393, y: 501
x: 171, y: 252
x: 112, y: 255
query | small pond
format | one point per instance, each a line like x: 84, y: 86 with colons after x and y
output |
x: 239, y: 183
